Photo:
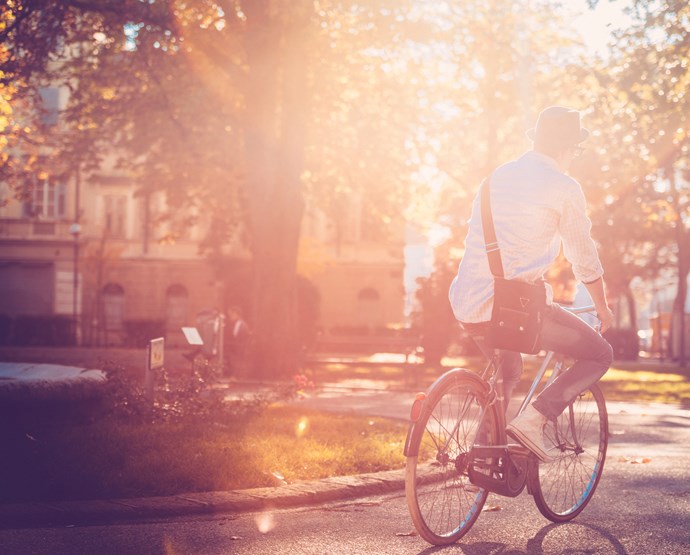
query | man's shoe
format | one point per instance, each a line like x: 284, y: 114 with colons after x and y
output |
x: 528, y: 429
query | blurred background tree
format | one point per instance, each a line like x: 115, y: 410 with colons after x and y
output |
x: 641, y: 215
x: 239, y: 110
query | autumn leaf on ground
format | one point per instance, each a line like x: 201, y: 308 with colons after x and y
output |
x: 635, y: 460
x: 280, y: 479
x: 491, y: 509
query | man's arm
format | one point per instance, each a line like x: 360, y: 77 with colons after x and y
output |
x: 598, y: 294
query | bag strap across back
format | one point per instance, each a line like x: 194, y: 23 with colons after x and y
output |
x: 493, y: 251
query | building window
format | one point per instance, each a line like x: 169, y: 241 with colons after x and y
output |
x: 48, y: 201
x: 113, y: 306
x: 176, y: 306
x: 369, y: 308
x: 50, y: 97
x: 115, y: 215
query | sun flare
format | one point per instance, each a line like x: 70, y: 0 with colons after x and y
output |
x: 302, y: 426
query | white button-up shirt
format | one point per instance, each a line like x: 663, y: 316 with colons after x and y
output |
x: 535, y: 208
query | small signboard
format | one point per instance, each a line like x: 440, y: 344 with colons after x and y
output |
x: 155, y: 356
x: 156, y: 353
x: 192, y: 336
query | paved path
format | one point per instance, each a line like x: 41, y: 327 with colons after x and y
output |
x: 25, y: 375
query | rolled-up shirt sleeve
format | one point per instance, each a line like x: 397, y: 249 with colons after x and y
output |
x: 575, y: 229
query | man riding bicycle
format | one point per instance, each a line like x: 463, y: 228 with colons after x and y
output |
x: 537, y: 208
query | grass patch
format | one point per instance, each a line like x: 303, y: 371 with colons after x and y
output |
x: 111, y: 459
x: 637, y: 382
x: 392, y: 374
x: 646, y: 386
x: 624, y: 382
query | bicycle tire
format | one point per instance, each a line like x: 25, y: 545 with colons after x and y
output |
x: 442, y: 502
x: 563, y: 488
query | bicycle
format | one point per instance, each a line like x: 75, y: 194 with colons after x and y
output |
x: 458, y: 452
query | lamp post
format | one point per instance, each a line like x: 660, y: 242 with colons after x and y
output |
x: 75, y: 230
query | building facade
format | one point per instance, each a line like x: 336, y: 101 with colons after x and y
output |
x: 84, y: 250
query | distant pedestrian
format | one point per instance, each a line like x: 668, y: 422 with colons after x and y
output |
x: 208, y: 322
x: 238, y: 337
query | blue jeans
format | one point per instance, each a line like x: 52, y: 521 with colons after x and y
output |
x: 566, y: 334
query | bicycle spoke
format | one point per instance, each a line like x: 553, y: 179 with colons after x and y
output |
x: 443, y: 502
x: 579, y: 438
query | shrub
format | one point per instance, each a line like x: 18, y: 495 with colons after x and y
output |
x: 625, y: 343
x: 189, y: 398
x: 436, y: 319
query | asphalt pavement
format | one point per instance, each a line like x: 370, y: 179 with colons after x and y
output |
x: 369, y: 398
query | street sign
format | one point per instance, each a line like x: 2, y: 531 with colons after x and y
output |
x: 156, y: 353
x: 192, y: 336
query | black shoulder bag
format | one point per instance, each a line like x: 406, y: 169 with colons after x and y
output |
x: 518, y: 306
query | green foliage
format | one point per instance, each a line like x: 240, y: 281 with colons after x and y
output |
x: 232, y: 116
x: 642, y: 217
x: 437, y: 323
x: 188, y: 397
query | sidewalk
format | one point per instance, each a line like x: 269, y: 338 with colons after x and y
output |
x: 27, y: 386
x: 19, y: 374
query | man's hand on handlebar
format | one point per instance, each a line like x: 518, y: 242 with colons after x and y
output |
x: 605, y: 316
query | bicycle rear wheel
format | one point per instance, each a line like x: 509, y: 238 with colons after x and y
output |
x: 562, y: 488
x: 442, y: 502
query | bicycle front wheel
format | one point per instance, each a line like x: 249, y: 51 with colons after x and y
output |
x: 562, y: 488
x: 442, y: 502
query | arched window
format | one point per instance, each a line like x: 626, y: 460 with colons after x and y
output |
x: 113, y: 306
x: 369, y: 311
x: 176, y: 306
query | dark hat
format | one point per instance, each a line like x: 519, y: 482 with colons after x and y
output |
x: 559, y: 125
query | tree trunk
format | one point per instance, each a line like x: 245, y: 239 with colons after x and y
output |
x: 274, y: 147
x: 678, y: 316
x: 632, y: 310
x: 678, y: 330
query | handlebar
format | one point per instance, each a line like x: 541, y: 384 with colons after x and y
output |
x: 586, y: 310
x: 580, y: 309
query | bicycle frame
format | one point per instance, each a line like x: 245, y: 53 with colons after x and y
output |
x: 514, y: 462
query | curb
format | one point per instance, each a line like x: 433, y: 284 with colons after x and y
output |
x: 66, y: 513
